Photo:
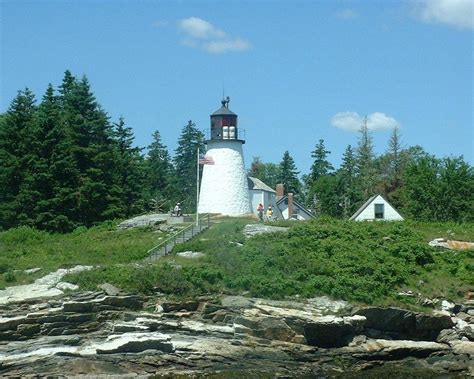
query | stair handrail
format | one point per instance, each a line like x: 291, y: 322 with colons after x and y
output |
x: 182, y: 231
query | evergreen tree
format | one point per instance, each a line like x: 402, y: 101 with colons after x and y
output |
x: 160, y: 175
x: 54, y: 168
x: 350, y: 195
x: 288, y: 174
x: 321, y: 166
x: 130, y: 170
x: 365, y: 162
x: 94, y: 151
x: 185, y: 161
x: 16, y: 156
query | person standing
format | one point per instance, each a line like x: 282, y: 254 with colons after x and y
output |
x: 270, y: 213
x: 260, y: 210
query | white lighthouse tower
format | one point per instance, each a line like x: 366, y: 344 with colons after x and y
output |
x: 224, y: 186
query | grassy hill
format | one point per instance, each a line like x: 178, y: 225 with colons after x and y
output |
x: 360, y: 262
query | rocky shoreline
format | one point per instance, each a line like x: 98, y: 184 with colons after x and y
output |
x: 113, y: 335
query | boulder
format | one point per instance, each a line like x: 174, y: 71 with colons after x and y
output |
x: 110, y: 289
x: 403, y: 324
x: 331, y: 331
x: 251, y: 230
x: 236, y: 302
x: 190, y: 254
x: 265, y: 327
x: 130, y: 302
x: 463, y: 347
x: 171, y: 306
x: 380, y: 349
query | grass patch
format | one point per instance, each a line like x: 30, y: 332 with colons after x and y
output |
x: 23, y: 248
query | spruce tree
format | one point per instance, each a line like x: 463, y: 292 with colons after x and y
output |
x: 288, y: 174
x: 321, y: 166
x: 350, y: 195
x: 365, y: 161
x: 16, y: 156
x: 130, y: 171
x: 97, y: 187
x: 54, y: 167
x: 185, y: 161
x: 159, y: 176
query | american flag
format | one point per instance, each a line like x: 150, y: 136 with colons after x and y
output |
x: 206, y: 159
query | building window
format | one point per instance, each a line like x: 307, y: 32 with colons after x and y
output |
x: 379, y: 211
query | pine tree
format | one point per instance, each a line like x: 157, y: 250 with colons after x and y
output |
x: 130, y: 171
x: 160, y: 176
x: 365, y: 161
x: 54, y: 168
x: 185, y: 164
x: 395, y: 154
x: 288, y: 174
x: 94, y: 151
x: 321, y: 166
x: 350, y: 195
x: 16, y: 156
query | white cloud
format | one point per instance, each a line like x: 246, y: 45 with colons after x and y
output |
x: 347, y: 14
x: 219, y: 47
x: 196, y: 27
x: 352, y: 121
x: 459, y: 13
x: 201, y: 34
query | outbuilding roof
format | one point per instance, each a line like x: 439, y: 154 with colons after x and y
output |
x: 257, y: 184
x: 366, y: 204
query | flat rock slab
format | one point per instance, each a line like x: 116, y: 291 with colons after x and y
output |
x: 251, y: 230
x: 135, y: 343
x: 190, y: 254
x: 47, y: 286
x: 144, y: 220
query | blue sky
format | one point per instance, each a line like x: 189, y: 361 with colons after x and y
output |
x: 296, y: 71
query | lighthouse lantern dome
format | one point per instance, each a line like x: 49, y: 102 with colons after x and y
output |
x: 224, y: 123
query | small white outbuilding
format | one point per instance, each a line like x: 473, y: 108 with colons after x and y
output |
x: 377, y: 209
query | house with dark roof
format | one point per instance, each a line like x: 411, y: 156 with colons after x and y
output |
x: 377, y: 208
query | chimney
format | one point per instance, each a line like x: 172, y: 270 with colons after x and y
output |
x: 290, y: 205
x: 280, y: 189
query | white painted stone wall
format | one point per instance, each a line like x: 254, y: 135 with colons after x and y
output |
x: 260, y: 196
x: 390, y: 214
x: 224, y: 187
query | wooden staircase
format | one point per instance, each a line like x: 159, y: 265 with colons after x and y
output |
x: 165, y: 247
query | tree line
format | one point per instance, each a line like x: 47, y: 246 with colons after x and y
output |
x: 421, y: 186
x: 64, y: 163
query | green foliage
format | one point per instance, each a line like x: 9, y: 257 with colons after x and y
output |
x: 268, y: 173
x: 288, y: 174
x: 160, y: 176
x: 439, y: 189
x: 361, y: 262
x: 185, y: 165
x: 24, y: 247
